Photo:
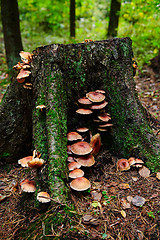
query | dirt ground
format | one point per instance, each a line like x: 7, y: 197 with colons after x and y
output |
x: 106, y: 211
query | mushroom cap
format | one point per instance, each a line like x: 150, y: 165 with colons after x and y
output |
x: 84, y: 111
x: 69, y: 150
x: 36, y: 163
x: 43, y: 197
x: 70, y: 159
x: 81, y: 148
x: 123, y: 165
x: 104, y: 117
x: 73, y: 165
x: 102, y: 129
x: 100, y: 91
x: 84, y: 101
x: 28, y: 186
x: 106, y: 125
x: 131, y: 161
x: 99, y: 106
x: 41, y: 106
x: 82, y: 129
x: 24, y: 161
x: 95, y: 96
x: 76, y: 173
x: 23, y: 74
x: 80, y: 184
x: 95, y: 143
x: 86, y: 161
x: 26, y: 57
x: 73, y: 136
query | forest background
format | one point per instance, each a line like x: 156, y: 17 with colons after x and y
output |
x: 46, y: 22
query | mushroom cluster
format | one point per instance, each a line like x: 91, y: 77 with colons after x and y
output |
x: 24, y: 68
x: 29, y: 186
x: 94, y: 103
x: 124, y: 164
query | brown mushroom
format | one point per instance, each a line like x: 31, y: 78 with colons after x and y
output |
x: 73, y: 165
x: 84, y: 101
x: 86, y: 161
x: 95, y: 143
x: 123, y: 165
x: 43, y: 197
x: 28, y: 186
x: 81, y: 148
x: 70, y: 159
x: 41, y: 107
x: 98, y: 106
x: 131, y: 161
x: 76, y: 173
x: 106, y: 125
x: 36, y: 163
x: 104, y: 117
x: 24, y: 161
x: 101, y: 91
x: 82, y: 130
x: 74, y: 136
x: 22, y: 75
x: 95, y: 97
x: 80, y: 184
x: 84, y: 111
x: 26, y: 57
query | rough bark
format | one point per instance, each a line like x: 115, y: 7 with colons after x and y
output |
x: 11, y: 31
x: 15, y: 123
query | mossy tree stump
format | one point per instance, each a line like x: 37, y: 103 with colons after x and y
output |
x: 61, y: 74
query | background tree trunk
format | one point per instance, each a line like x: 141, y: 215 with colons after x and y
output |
x: 114, y: 18
x: 72, y: 18
x: 11, y: 31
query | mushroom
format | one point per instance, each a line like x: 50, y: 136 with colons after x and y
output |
x: 73, y: 165
x: 70, y: 159
x: 36, y: 163
x: 104, y: 117
x: 95, y: 143
x: 84, y: 101
x: 76, y: 173
x: 100, y: 91
x: 86, y: 161
x: 81, y: 148
x: 24, y: 161
x: 84, y: 111
x: 131, y: 161
x: 43, y: 197
x: 69, y: 150
x: 106, y: 125
x: 74, y: 136
x: 26, y: 57
x: 82, y: 130
x: 123, y: 165
x: 102, y: 129
x: 98, y: 106
x: 95, y: 96
x: 41, y: 107
x: 28, y: 186
x: 80, y: 184
x: 22, y: 75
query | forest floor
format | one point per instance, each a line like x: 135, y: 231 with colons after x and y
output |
x: 106, y: 211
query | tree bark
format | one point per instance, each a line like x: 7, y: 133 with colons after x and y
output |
x: 72, y: 18
x: 114, y: 18
x: 11, y: 31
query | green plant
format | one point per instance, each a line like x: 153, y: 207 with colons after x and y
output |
x: 151, y: 214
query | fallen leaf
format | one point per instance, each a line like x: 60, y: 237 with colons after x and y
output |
x: 125, y: 204
x: 129, y: 198
x: 96, y: 196
x: 158, y: 175
x: 138, y: 201
x: 123, y: 186
x: 123, y: 213
x: 96, y: 204
x: 134, y: 179
x: 144, y: 172
x: 89, y: 219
